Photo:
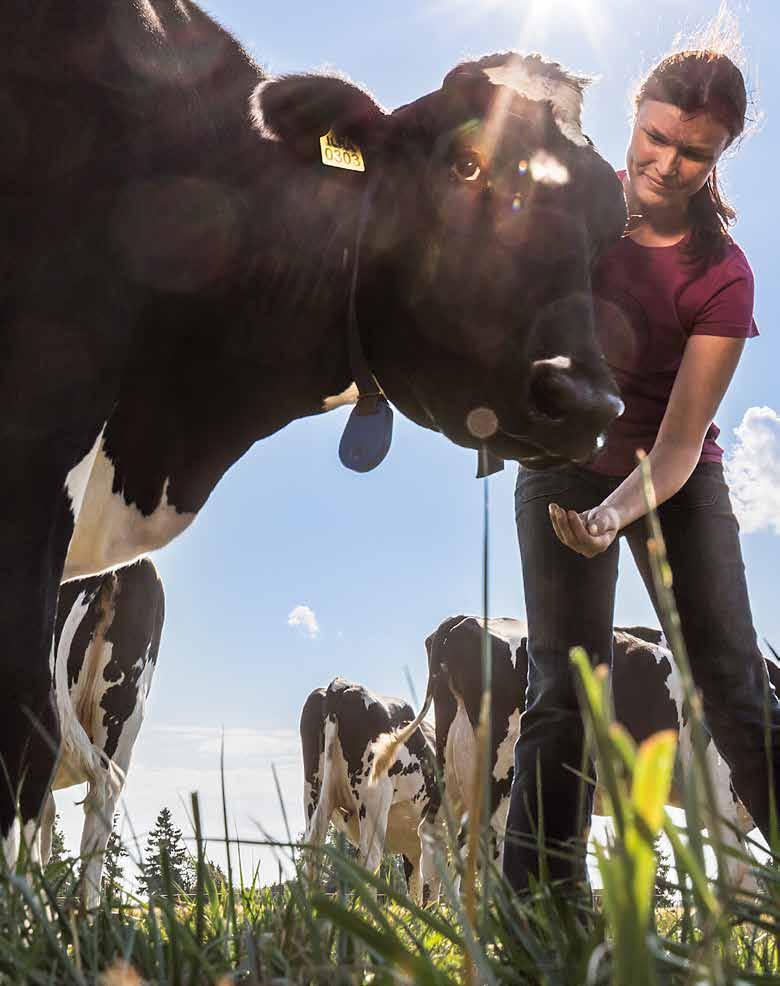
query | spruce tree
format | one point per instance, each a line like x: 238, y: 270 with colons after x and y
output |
x: 165, y: 842
x: 60, y: 870
x: 113, y: 871
x: 58, y: 850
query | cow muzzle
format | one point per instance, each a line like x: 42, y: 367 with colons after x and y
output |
x: 571, y: 405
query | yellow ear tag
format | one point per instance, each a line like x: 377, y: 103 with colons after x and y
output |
x: 340, y: 153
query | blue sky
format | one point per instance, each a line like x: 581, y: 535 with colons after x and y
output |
x: 380, y: 559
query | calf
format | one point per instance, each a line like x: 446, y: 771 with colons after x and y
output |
x: 647, y: 692
x: 106, y: 643
x: 339, y: 726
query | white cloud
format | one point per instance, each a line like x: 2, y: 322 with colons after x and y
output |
x: 752, y: 470
x: 305, y: 618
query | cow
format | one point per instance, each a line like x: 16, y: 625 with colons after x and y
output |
x: 648, y: 696
x: 339, y: 725
x: 183, y: 274
x: 107, y: 641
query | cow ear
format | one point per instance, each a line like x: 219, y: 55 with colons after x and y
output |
x: 299, y: 109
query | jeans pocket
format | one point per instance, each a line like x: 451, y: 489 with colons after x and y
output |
x: 700, y: 491
x: 546, y: 484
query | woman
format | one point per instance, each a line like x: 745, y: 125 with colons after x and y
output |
x: 676, y: 298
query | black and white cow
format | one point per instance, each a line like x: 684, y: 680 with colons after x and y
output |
x: 180, y: 271
x: 106, y: 645
x: 339, y: 726
x: 647, y: 693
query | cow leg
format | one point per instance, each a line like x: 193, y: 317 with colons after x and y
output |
x: 317, y: 829
x: 412, y: 874
x: 375, y: 809
x: 33, y: 554
x: 431, y: 831
x: 738, y: 874
x: 99, y: 807
x: 498, y: 825
x: 48, y: 816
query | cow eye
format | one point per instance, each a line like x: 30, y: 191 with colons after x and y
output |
x: 467, y: 166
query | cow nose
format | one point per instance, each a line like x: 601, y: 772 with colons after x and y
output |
x: 560, y: 390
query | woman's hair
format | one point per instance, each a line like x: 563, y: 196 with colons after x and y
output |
x: 703, y: 80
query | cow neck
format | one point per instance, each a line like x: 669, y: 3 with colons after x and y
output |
x: 366, y: 442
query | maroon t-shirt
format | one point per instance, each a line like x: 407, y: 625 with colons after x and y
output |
x: 650, y: 302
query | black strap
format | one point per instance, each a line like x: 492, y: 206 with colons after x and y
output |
x: 369, y: 390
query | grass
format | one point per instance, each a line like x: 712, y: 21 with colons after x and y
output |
x: 643, y: 929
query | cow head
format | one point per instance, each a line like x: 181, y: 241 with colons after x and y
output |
x: 485, y: 207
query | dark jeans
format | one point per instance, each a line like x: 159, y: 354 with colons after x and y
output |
x: 570, y: 601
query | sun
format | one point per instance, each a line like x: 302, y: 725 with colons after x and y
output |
x: 542, y: 18
x: 539, y: 20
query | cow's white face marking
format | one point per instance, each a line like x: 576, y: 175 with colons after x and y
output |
x: 510, y: 631
x: 78, y: 478
x: 505, y: 754
x: 110, y: 531
x: 566, y: 99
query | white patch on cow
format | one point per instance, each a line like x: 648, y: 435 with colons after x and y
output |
x: 505, y: 754
x: 11, y: 844
x: 548, y: 170
x: 566, y: 99
x: 345, y: 398
x: 460, y: 757
x: 498, y: 824
x: 77, y: 758
x: 111, y: 532
x: 560, y: 362
x: 77, y: 479
x: 508, y: 630
x: 674, y: 686
x: 256, y: 114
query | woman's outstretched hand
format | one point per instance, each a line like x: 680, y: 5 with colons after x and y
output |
x: 588, y: 533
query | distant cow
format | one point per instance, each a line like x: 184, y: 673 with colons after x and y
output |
x: 107, y: 641
x: 339, y: 726
x: 647, y: 693
x: 184, y: 273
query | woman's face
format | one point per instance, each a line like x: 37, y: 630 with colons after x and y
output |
x: 671, y: 155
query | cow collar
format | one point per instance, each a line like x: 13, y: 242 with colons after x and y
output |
x: 369, y: 429
x: 368, y: 433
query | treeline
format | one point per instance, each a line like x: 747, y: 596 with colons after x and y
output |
x: 167, y: 867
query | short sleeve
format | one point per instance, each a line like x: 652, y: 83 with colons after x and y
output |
x: 728, y: 307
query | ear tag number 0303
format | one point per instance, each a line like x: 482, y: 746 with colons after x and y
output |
x: 339, y: 153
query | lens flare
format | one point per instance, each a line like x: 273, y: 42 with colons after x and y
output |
x: 482, y: 422
x: 548, y: 170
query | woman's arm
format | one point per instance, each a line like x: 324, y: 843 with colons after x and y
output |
x: 707, y: 366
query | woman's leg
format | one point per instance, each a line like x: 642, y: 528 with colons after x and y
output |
x: 702, y: 542
x: 569, y: 601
